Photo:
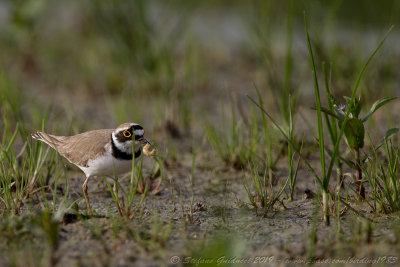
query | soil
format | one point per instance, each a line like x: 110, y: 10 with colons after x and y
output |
x: 223, y: 228
x: 222, y: 220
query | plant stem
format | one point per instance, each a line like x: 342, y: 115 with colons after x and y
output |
x: 325, y: 207
x: 339, y: 176
x: 360, y: 186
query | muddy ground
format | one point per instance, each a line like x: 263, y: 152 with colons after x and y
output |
x: 212, y: 222
x: 224, y: 228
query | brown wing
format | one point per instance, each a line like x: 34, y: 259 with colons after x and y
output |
x: 51, y: 140
x: 80, y: 148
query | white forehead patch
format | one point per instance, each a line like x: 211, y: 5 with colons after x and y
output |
x: 121, y: 129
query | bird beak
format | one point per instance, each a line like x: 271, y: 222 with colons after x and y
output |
x: 144, y: 141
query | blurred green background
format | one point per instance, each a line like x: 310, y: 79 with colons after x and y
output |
x: 92, y: 64
x: 182, y: 69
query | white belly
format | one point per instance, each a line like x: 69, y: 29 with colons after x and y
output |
x: 107, y: 165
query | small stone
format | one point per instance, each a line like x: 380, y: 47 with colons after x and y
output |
x: 308, y: 194
x: 199, y: 206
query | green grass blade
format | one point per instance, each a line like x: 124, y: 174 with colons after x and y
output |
x: 377, y: 105
x: 310, y: 168
x: 353, y: 96
x: 266, y: 130
x: 318, y: 106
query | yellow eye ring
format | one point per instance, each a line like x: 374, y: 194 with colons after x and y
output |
x: 127, y: 133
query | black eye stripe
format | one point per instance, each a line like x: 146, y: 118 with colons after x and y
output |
x: 121, y: 138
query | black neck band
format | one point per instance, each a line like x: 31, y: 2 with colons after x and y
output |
x: 117, y: 153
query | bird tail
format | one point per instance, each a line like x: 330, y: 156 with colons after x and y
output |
x: 49, y: 139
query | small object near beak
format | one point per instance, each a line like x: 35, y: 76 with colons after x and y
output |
x: 147, y: 152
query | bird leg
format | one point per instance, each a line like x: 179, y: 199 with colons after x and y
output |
x: 156, y: 173
x: 85, y: 188
x: 157, y: 189
x: 141, y: 187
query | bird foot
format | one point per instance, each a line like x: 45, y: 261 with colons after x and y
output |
x: 142, y: 188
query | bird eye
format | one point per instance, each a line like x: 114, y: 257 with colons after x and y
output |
x: 127, y: 133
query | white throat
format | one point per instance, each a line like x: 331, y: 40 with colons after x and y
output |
x: 124, y: 147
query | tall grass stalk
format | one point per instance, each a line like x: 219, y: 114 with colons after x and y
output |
x: 134, y: 186
x: 19, y: 171
x: 291, y: 153
x: 382, y: 175
x: 325, y: 179
x: 324, y: 183
x: 351, y: 102
x: 326, y: 174
x: 270, y: 162
x: 332, y: 124
x: 286, y: 137
x: 125, y: 207
x: 288, y: 91
x: 239, y: 145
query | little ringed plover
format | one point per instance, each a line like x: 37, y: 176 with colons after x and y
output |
x: 105, y: 152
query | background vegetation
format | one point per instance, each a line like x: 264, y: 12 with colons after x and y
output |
x: 182, y: 69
